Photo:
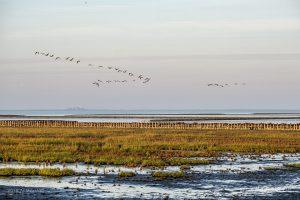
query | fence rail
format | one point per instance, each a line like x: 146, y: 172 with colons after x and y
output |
x: 151, y: 125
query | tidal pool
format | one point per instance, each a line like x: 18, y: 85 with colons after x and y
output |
x: 233, y: 175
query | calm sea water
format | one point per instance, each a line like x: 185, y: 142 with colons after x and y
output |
x: 144, y: 115
x: 141, y: 112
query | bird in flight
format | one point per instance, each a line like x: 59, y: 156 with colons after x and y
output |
x: 78, y: 61
x: 57, y: 58
x: 96, y: 83
x: 146, y: 80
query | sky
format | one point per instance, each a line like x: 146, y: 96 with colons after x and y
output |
x: 183, y: 45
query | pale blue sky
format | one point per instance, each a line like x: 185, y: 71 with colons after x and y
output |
x: 181, y: 44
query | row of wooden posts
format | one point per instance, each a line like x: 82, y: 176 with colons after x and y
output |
x: 170, y: 125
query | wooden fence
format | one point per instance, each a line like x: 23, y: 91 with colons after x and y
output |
x: 151, y: 125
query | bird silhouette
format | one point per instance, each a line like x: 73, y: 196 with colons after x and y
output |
x: 36, y: 52
x: 71, y: 59
x: 51, y: 55
x: 67, y: 58
x: 47, y: 54
x: 57, y: 58
x: 146, y: 80
x: 78, y: 61
x: 96, y: 83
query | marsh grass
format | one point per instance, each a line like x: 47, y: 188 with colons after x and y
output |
x: 50, y: 172
x: 273, y: 168
x: 185, y: 161
x: 164, y: 175
x: 125, y: 174
x: 294, y: 165
x: 138, y: 147
x: 185, y: 167
x: 56, y: 172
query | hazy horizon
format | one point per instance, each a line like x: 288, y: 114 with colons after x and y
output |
x: 181, y: 45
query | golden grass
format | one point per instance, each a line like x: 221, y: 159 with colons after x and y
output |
x: 164, y: 175
x: 126, y: 174
x: 185, y: 167
x: 294, y: 165
x: 50, y: 172
x: 137, y: 147
x: 273, y: 168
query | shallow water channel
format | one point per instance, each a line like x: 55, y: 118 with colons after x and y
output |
x: 242, y: 176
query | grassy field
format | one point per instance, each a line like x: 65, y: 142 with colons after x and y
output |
x: 137, y: 147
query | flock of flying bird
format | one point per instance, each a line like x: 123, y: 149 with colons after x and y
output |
x: 225, y: 85
x: 133, y: 77
x: 99, y: 82
x: 56, y: 57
